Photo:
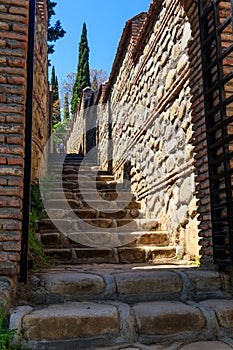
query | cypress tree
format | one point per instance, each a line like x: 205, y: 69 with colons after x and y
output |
x: 66, y: 108
x: 56, y: 90
x: 83, y: 71
x: 53, y: 77
x: 56, y: 101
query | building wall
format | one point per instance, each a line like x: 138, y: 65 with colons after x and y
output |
x: 14, y: 18
x: 150, y: 101
x: 13, y: 55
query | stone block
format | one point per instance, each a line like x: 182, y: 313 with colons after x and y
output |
x: 95, y: 255
x: 73, y: 283
x: 71, y: 320
x: 160, y: 253
x: 147, y: 282
x: 165, y: 318
x: 131, y: 255
x: 223, y: 310
x: 182, y: 63
x: 186, y: 191
x: 207, y: 345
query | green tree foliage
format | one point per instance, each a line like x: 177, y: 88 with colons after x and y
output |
x: 53, y: 77
x: 83, y: 71
x: 59, y: 134
x: 66, y: 112
x: 68, y: 83
x: 56, y: 90
x: 56, y: 113
x: 55, y: 31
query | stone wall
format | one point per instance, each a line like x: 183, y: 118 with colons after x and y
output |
x: 149, y: 99
x: 41, y: 90
x: 163, y: 149
x: 13, y: 55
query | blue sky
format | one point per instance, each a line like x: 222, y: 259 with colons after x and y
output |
x: 105, y: 21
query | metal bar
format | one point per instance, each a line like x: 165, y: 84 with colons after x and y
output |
x: 208, y: 40
x: 223, y: 55
x: 28, y: 143
x: 224, y: 25
x: 209, y: 109
x: 226, y: 52
x: 231, y: 1
x: 223, y: 103
x: 216, y: 119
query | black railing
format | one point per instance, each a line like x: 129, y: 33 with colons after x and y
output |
x: 217, y: 59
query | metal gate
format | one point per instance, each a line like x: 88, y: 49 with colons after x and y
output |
x: 216, y: 24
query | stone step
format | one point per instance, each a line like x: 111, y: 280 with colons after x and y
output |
x: 82, y: 325
x: 72, y: 225
x: 128, y: 284
x: 108, y: 195
x: 95, y: 254
x: 54, y: 239
x: 202, y: 345
x: 56, y: 200
x: 89, y: 214
x: 88, y: 177
x: 73, y: 183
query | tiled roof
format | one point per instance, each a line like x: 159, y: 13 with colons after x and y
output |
x: 127, y: 42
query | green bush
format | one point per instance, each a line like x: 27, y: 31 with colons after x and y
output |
x: 37, y: 213
x: 6, y: 334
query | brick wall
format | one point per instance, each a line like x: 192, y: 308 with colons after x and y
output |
x: 199, y: 136
x: 13, y: 54
x: 14, y: 17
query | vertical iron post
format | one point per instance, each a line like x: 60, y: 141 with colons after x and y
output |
x: 28, y: 143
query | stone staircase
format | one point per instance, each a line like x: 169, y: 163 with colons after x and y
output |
x: 132, y: 307
x: 91, y: 299
x: 106, y: 225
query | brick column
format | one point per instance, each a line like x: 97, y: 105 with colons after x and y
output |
x: 13, y: 73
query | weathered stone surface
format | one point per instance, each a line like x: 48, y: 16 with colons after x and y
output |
x: 207, y: 345
x: 186, y: 35
x: 186, y: 191
x: 73, y: 283
x: 56, y: 213
x: 72, y: 320
x: 155, y: 282
x: 159, y: 238
x: 182, y: 63
x: 160, y: 253
x: 170, y: 78
x: 134, y: 254
x: 223, y: 310
x: 95, y: 255
x: 163, y: 318
x: 203, y: 280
